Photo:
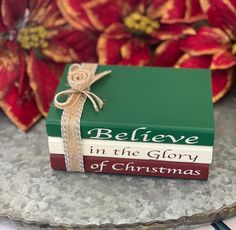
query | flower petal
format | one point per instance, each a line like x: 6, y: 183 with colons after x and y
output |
x: 158, y: 8
x: 207, y: 41
x: 17, y: 10
x: 223, y: 60
x: 103, y: 13
x: 12, y: 67
x: 12, y: 12
x: 45, y: 13
x: 135, y: 52
x: 73, y: 11
x: 70, y: 45
x: 193, y: 11
x: 222, y: 81
x: 92, y: 14
x: 110, y: 43
x: 109, y: 50
x: 43, y: 80
x: 221, y: 14
x: 58, y: 51
x: 172, y: 31
x: 167, y: 53
x: 187, y: 61
x: 2, y: 25
x: 129, y: 6
x: 117, y: 46
x: 7, y: 16
x: 173, y: 11
x: 21, y: 109
x: 176, y: 11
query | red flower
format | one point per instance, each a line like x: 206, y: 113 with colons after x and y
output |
x: 35, y: 42
x: 214, y: 47
x: 129, y: 27
x: 210, y: 48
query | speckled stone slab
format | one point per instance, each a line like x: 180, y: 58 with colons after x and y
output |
x: 30, y: 191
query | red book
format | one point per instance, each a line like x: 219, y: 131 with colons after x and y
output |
x: 137, y: 167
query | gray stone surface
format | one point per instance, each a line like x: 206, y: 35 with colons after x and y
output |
x: 32, y: 192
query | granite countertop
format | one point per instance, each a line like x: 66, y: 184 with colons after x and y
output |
x: 32, y: 192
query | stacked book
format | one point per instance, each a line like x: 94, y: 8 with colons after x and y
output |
x: 155, y: 122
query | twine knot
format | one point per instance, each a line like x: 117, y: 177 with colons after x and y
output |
x: 80, y: 80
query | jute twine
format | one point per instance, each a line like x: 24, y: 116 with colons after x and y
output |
x: 80, y: 78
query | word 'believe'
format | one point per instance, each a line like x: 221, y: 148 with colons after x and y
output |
x: 140, y: 134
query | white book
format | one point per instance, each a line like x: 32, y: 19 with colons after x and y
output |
x: 138, y: 150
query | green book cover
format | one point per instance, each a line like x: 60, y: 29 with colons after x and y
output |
x: 146, y: 104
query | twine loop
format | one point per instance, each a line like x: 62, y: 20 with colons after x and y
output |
x: 80, y: 80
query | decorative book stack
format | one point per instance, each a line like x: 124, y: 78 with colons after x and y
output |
x: 155, y: 122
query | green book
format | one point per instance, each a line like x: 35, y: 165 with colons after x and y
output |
x: 146, y: 104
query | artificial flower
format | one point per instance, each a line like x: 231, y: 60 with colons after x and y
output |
x: 128, y: 28
x: 213, y: 46
x: 210, y: 48
x: 35, y: 41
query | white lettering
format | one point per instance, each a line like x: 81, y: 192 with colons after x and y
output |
x: 197, y: 172
x: 140, y: 134
x: 121, y: 136
x: 116, y: 168
x: 134, y: 133
x: 174, y: 140
x: 101, y: 133
x: 145, y: 136
x: 158, y: 138
x: 192, y: 140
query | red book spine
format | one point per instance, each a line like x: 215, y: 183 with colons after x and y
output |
x: 137, y: 167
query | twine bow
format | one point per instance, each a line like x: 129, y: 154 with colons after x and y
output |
x: 80, y: 80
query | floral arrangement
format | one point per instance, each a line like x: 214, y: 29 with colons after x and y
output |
x: 37, y: 38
